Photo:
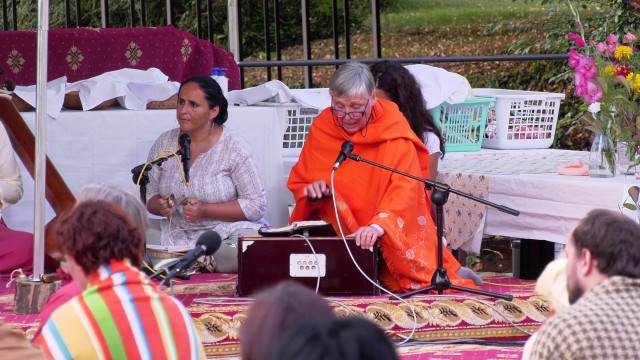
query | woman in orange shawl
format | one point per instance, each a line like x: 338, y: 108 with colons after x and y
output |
x: 373, y: 204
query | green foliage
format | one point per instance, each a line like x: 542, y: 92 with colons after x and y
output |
x: 472, y: 259
x: 119, y: 13
x: 634, y: 193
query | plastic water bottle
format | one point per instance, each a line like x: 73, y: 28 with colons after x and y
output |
x: 218, y: 74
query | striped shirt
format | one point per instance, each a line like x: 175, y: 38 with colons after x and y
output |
x: 120, y: 315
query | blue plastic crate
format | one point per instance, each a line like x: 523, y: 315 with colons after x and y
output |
x: 463, y: 124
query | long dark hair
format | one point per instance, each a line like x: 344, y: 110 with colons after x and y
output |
x: 403, y: 89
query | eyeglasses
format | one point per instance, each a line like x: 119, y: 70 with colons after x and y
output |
x: 355, y: 115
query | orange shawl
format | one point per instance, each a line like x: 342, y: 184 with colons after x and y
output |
x: 366, y: 194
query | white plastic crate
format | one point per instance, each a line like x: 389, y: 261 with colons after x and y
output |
x: 520, y: 119
x: 298, y: 119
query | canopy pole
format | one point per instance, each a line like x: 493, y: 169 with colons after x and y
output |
x: 40, y: 135
x: 234, y: 29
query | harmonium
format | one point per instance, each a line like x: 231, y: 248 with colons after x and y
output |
x: 265, y: 261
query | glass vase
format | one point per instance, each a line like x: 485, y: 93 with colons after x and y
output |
x: 627, y: 155
x: 602, y: 163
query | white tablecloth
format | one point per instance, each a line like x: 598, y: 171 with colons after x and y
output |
x: 103, y: 146
x: 550, y: 205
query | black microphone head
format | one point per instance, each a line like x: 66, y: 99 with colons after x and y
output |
x: 347, y: 147
x: 185, y: 147
x: 185, y: 139
x: 211, y: 240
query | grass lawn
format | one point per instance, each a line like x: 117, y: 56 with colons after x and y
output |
x: 421, y: 13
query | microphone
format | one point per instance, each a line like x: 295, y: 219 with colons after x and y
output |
x: 208, y: 243
x: 185, y: 153
x: 345, y: 151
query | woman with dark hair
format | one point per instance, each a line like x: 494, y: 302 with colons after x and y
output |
x: 275, y: 312
x: 394, y: 82
x: 225, y: 192
x: 351, y: 338
x: 120, y: 314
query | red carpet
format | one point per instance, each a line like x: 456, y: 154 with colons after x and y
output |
x: 218, y: 314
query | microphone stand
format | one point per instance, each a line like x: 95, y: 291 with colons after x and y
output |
x: 440, y: 280
x: 144, y: 177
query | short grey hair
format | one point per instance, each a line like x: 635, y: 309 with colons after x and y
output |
x: 129, y: 203
x: 352, y: 79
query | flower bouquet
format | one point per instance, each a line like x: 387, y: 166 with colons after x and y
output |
x: 607, y: 77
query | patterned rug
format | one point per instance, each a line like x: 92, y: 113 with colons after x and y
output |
x: 218, y: 314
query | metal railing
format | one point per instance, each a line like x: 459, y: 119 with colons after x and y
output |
x: 272, y: 41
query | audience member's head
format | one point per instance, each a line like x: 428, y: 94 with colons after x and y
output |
x: 552, y: 284
x: 604, y: 244
x: 96, y: 232
x: 129, y: 203
x: 394, y: 82
x: 351, y: 338
x: 276, y: 311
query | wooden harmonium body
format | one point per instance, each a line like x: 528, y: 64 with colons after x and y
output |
x: 265, y: 261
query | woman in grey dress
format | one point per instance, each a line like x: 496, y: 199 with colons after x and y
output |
x: 225, y: 192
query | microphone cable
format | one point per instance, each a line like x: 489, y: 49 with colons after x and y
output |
x: 175, y: 155
x: 415, y: 322
x: 344, y: 239
x: 316, y: 257
x: 146, y: 164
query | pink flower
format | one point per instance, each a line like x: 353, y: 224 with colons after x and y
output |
x: 594, y: 93
x: 578, y: 40
x: 601, y: 47
x: 587, y: 68
x: 629, y: 37
x: 574, y: 58
x: 612, y: 39
x: 580, y: 84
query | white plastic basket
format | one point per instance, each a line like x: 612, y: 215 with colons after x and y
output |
x: 299, y: 119
x: 520, y: 119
